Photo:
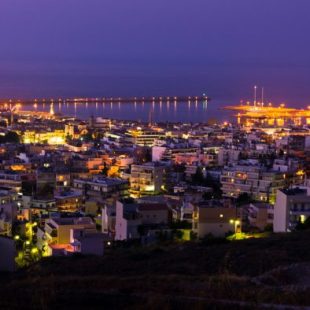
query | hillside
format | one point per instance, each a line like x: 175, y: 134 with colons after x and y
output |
x: 242, y: 274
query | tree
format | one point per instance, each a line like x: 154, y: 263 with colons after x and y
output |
x: 197, y: 177
x: 303, y: 226
x: 87, y: 137
x: 243, y: 198
x: 105, y: 169
x: 142, y: 230
x: 10, y: 137
x: 148, y: 155
x: 178, y: 234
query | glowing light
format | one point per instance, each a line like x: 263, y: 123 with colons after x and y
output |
x: 300, y: 172
x: 34, y: 251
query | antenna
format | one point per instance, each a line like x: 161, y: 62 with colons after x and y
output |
x: 255, y: 97
x: 262, y: 96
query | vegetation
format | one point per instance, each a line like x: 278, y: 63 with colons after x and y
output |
x: 10, y: 137
x: 243, y: 198
x: 303, y: 226
x: 197, y: 275
x: 105, y: 169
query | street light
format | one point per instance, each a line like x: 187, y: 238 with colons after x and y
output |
x: 236, y: 223
x: 34, y: 251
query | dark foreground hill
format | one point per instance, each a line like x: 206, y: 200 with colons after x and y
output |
x: 250, y: 274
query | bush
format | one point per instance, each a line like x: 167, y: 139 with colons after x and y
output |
x: 181, y: 225
x: 211, y: 240
x: 193, y: 235
x: 178, y: 234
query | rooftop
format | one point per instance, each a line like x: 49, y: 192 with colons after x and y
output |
x: 294, y: 191
x: 152, y: 207
x: 103, y: 181
x: 73, y: 221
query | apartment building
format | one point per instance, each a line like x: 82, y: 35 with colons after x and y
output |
x: 146, y: 179
x: 100, y: 188
x: 55, y: 235
x: 260, y: 215
x: 131, y: 217
x: 256, y: 181
x: 216, y: 218
x: 11, y: 180
x: 292, y: 207
x: 68, y: 201
x: 144, y: 137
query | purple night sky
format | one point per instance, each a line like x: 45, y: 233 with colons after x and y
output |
x: 52, y: 48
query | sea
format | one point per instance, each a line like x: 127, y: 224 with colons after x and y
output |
x: 191, y: 111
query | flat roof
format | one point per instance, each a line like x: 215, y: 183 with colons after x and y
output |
x: 294, y: 191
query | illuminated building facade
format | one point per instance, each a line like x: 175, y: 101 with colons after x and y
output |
x: 268, y: 115
x: 146, y: 179
x: 256, y: 181
x: 144, y: 137
x: 56, y: 137
x: 101, y: 188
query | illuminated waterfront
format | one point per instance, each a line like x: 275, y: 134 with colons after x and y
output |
x: 166, y: 111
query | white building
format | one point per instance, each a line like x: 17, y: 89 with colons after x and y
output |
x: 131, y: 216
x: 127, y: 221
x: 158, y: 153
x: 108, y: 218
x: 292, y: 207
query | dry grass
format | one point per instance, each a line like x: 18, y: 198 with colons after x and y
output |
x: 187, y: 276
